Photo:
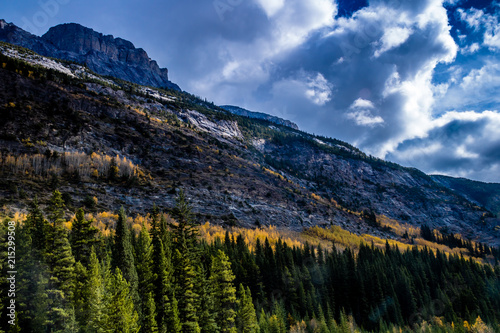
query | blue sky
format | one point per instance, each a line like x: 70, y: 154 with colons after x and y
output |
x: 413, y: 81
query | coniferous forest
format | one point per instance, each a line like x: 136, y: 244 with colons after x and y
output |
x: 166, y: 278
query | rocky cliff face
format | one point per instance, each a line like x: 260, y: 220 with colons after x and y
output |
x: 104, y: 55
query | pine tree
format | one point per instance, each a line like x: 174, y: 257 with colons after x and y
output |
x: 184, y: 258
x: 38, y: 227
x: 246, y: 317
x: 121, y: 313
x: 96, y: 303
x: 185, y: 275
x: 184, y: 233
x: 173, y: 321
x: 81, y: 293
x: 123, y: 255
x: 144, y: 259
x: 83, y: 237
x: 148, y: 320
x: 61, y: 262
x: 205, y: 302
x: 224, y: 292
x: 166, y: 310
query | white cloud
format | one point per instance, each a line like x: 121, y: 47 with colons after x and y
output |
x: 361, y: 113
x: 487, y: 76
x: 487, y: 23
x: 465, y: 144
x: 271, y: 7
x: 364, y: 118
x: 245, y: 65
x: 393, y: 37
x: 319, y: 90
x: 470, y: 49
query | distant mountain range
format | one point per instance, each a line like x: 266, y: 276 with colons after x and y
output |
x: 238, y: 167
x: 259, y: 115
x: 102, y: 54
x: 485, y: 194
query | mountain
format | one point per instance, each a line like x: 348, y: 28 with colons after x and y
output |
x: 258, y: 115
x: 102, y: 54
x: 105, y: 143
x: 484, y: 194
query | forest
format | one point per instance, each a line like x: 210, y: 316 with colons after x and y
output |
x: 167, y: 278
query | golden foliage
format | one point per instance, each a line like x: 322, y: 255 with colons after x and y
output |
x: 72, y: 162
x: 211, y: 232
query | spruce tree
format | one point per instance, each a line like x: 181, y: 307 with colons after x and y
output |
x: 185, y: 275
x: 184, y: 259
x: 173, y: 321
x: 96, y: 317
x: 61, y: 262
x: 123, y: 255
x: 165, y: 309
x: 148, y: 320
x: 205, y: 302
x: 144, y: 259
x: 224, y: 292
x: 39, y: 228
x: 246, y: 317
x: 83, y: 237
x: 121, y: 313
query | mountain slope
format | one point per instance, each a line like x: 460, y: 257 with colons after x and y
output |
x: 485, y: 194
x: 59, y: 125
x: 102, y: 54
x: 259, y: 115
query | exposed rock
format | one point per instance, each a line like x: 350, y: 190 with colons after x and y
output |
x: 104, y: 55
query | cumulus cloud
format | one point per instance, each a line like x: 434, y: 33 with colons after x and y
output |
x: 388, y: 77
x: 319, y: 90
x: 465, y: 144
x: 485, y: 23
x: 361, y: 113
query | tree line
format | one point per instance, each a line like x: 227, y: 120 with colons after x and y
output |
x: 165, y: 278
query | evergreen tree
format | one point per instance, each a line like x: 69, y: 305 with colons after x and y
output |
x: 83, y: 237
x: 184, y: 233
x: 185, y: 275
x: 246, y: 317
x: 224, y: 292
x: 166, y: 310
x: 205, y: 302
x: 39, y: 228
x: 95, y: 307
x: 173, y: 321
x: 148, y: 320
x: 144, y: 259
x: 61, y: 262
x: 81, y: 293
x: 123, y: 255
x: 121, y: 313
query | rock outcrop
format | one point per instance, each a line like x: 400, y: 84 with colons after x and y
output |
x: 103, y: 54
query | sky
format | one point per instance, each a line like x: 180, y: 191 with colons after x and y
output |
x: 415, y: 82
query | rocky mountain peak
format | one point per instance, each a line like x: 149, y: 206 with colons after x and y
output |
x: 103, y: 54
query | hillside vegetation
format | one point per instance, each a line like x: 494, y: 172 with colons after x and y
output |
x: 164, y: 274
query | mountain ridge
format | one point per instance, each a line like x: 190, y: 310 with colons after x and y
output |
x: 237, y: 170
x: 259, y: 115
x: 103, y: 54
